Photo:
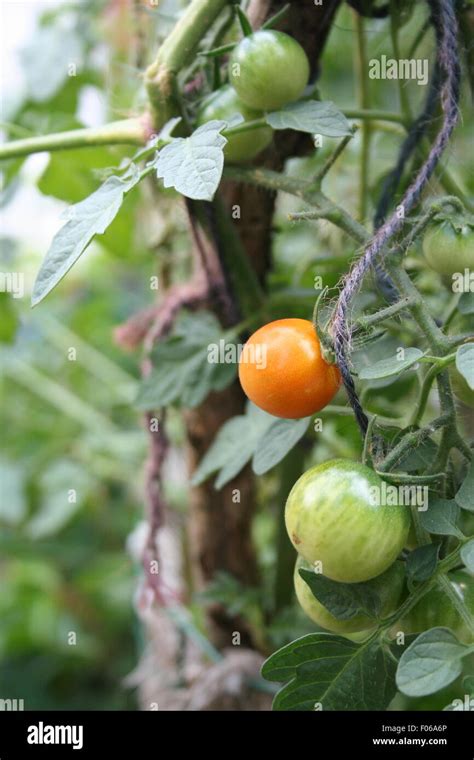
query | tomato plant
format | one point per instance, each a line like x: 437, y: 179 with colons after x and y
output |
x: 268, y: 69
x: 282, y: 369
x: 243, y: 146
x: 336, y: 515
x: 135, y: 373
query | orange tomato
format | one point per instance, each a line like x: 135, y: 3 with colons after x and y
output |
x: 282, y: 371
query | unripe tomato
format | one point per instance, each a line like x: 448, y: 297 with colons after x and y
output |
x: 282, y: 370
x: 225, y: 103
x: 335, y: 514
x: 268, y: 69
x: 461, y: 388
x: 388, y: 586
x: 449, y: 248
x: 436, y: 609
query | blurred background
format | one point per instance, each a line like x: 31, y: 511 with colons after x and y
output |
x: 73, y: 446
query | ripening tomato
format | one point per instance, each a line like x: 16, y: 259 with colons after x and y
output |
x: 268, y: 69
x: 242, y: 146
x: 436, y: 609
x: 449, y: 248
x: 337, y: 515
x: 388, y: 587
x: 283, y: 372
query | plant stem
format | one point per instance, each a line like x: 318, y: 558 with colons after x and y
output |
x: 126, y: 132
x: 374, y: 115
x: 387, y: 313
x: 411, y: 441
x: 333, y: 158
x: 364, y: 104
x: 175, y: 53
x: 403, y: 94
x: 244, y: 280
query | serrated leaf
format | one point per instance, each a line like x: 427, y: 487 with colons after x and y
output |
x: 343, y: 600
x: 182, y: 370
x: 465, y: 363
x: 430, y: 663
x: 277, y: 441
x: 233, y: 446
x: 391, y: 366
x: 193, y: 165
x: 86, y: 219
x: 313, y: 116
x: 333, y: 672
x: 441, y: 517
x: 421, y: 562
x: 467, y: 555
x: 465, y: 495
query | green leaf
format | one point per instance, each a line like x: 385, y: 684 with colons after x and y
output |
x: 391, y: 366
x: 430, y: 663
x: 233, y: 446
x: 467, y: 555
x: 193, y: 165
x: 313, y: 116
x: 343, y: 600
x: 245, y: 24
x: 465, y: 363
x: 77, y: 166
x: 86, y: 219
x: 47, y: 61
x: 419, y: 458
x: 466, y: 303
x: 465, y: 495
x: 182, y: 368
x: 332, y: 672
x: 421, y: 562
x: 441, y: 517
x: 277, y: 441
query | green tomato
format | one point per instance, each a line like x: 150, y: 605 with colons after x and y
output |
x: 436, y: 609
x: 449, y: 248
x: 388, y: 586
x: 336, y: 514
x: 461, y: 388
x: 225, y: 103
x: 268, y: 69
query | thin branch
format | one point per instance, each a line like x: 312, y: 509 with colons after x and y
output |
x: 127, y: 132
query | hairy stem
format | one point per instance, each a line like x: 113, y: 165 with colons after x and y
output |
x: 126, y: 132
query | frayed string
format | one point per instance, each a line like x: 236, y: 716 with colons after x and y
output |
x: 444, y: 19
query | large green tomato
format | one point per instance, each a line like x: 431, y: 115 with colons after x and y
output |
x: 449, y: 248
x: 388, y: 586
x: 268, y: 69
x: 225, y: 103
x: 436, y: 609
x: 336, y: 514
